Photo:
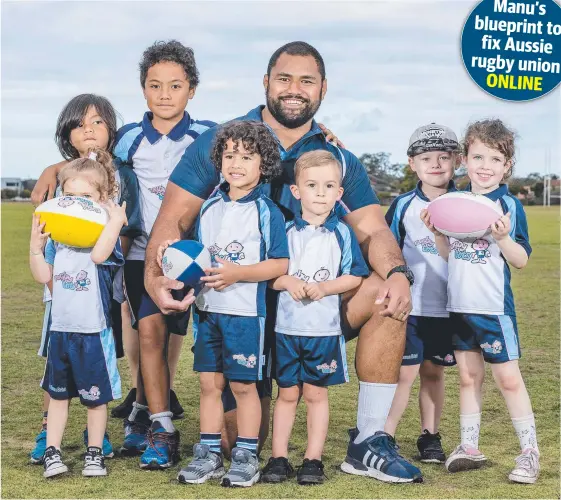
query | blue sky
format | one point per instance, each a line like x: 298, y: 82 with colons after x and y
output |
x: 391, y: 66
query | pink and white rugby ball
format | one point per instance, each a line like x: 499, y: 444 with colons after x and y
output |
x: 463, y: 215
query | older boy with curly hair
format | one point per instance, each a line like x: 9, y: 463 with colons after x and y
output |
x: 244, y: 232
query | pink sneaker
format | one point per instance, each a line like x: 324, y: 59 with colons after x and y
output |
x: 465, y: 457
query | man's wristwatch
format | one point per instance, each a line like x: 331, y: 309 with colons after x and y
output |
x: 405, y: 270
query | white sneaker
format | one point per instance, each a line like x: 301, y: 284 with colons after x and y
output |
x: 527, y: 467
x: 53, y: 463
x: 465, y: 458
x: 94, y: 463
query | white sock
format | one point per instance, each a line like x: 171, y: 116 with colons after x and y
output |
x: 525, y: 428
x: 374, y: 403
x: 469, y: 429
x: 165, y: 420
x: 136, y: 407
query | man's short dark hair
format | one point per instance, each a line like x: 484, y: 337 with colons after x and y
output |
x: 256, y: 138
x: 297, y: 49
x: 170, y: 51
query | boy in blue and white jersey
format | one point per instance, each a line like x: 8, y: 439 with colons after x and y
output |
x: 244, y: 232
x: 81, y: 358
x: 433, y: 155
x: 325, y: 262
x: 481, y: 303
x: 153, y: 147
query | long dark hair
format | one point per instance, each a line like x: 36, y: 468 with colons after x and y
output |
x: 72, y: 115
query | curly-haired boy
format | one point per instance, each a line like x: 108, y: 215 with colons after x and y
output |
x: 244, y: 232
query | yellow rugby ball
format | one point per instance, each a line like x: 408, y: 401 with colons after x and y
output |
x: 72, y: 220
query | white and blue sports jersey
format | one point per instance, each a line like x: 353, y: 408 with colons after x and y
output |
x: 82, y: 290
x: 428, y: 293
x: 196, y: 173
x: 247, y: 231
x: 317, y: 254
x: 478, y: 274
x: 153, y: 157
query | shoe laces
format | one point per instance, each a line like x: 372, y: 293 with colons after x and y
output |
x: 136, y: 427
x: 52, y: 456
x: 94, y: 458
x: 160, y: 438
x: 278, y: 462
x: 527, y: 461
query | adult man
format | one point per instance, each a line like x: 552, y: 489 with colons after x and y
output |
x: 295, y: 85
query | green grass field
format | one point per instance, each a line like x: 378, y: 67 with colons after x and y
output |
x: 537, y: 299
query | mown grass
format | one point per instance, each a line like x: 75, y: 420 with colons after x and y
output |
x: 537, y: 299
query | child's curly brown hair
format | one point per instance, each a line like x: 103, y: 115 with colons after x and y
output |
x: 256, y: 138
x: 494, y: 134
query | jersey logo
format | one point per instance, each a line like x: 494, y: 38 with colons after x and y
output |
x: 480, y: 251
x: 232, y: 252
x: 301, y: 276
x: 321, y: 274
x: 427, y: 245
x: 79, y: 284
x: 159, y: 191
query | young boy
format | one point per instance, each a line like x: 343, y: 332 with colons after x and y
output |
x: 325, y: 262
x: 169, y: 78
x: 433, y: 156
x: 244, y: 232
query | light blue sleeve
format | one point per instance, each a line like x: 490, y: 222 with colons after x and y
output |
x: 352, y: 260
x: 116, y: 258
x: 50, y: 252
x: 273, y: 230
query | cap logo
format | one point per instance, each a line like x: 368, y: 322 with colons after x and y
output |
x: 431, y: 133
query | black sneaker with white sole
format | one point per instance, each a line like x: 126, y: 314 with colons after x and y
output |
x: 277, y: 470
x: 430, y: 448
x: 94, y: 463
x: 53, y: 463
x: 310, y: 472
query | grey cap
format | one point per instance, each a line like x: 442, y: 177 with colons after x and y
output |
x: 432, y: 137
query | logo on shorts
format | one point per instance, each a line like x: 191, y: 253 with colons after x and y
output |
x: 167, y: 266
x: 158, y: 191
x: 248, y: 362
x: 57, y: 389
x: 91, y: 395
x: 495, y: 348
x: 327, y: 368
x: 449, y: 358
x: 411, y: 356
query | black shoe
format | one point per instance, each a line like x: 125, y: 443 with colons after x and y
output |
x: 310, y: 472
x: 174, y: 406
x: 430, y: 448
x: 125, y: 408
x: 277, y: 470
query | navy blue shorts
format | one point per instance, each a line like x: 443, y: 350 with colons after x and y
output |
x: 496, y: 336
x: 320, y: 361
x: 83, y: 365
x: 428, y: 339
x: 228, y: 344
x: 142, y: 305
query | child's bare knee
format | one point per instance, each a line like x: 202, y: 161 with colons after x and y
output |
x: 242, y: 389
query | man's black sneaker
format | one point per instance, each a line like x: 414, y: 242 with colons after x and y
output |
x: 277, y: 470
x: 174, y: 406
x: 125, y: 408
x: 430, y: 448
x: 310, y: 472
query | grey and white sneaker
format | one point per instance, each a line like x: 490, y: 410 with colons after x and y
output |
x: 465, y: 458
x: 53, y: 463
x: 204, y: 466
x: 527, y: 467
x: 94, y: 463
x: 244, y: 469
